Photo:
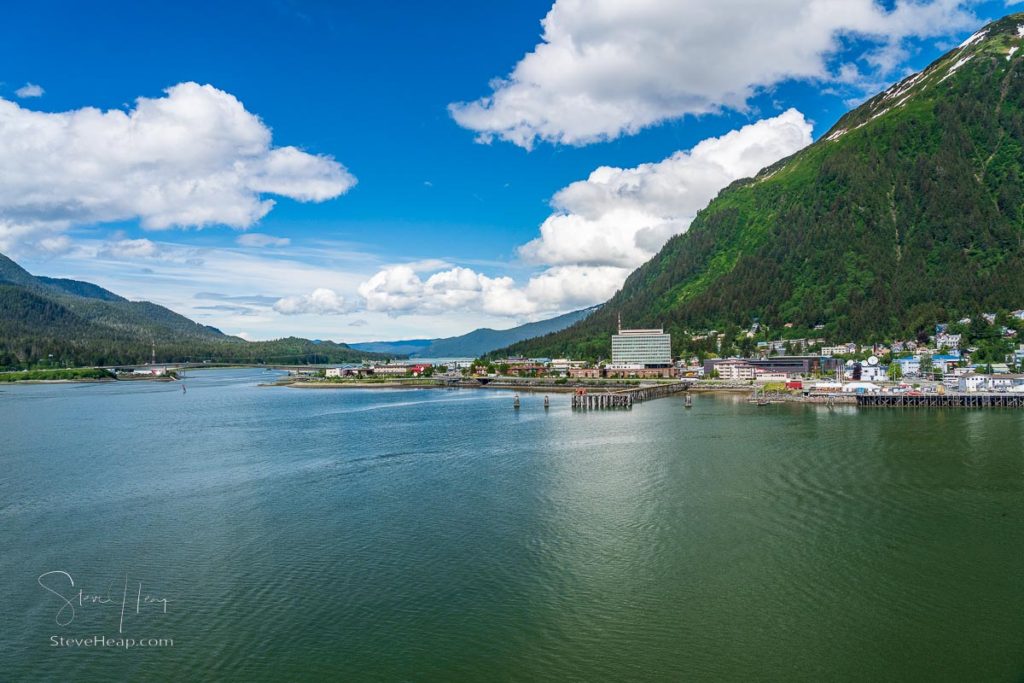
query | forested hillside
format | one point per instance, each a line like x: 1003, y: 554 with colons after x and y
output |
x: 57, y: 322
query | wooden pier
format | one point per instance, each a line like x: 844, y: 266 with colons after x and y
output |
x: 941, y: 401
x: 625, y: 398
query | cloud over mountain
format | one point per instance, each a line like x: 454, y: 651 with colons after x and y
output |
x: 606, y: 68
x: 623, y: 216
x: 602, y: 228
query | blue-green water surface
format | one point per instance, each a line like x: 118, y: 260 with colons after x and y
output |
x: 427, y: 534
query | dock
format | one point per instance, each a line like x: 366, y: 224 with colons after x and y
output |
x: 625, y: 398
x: 941, y: 401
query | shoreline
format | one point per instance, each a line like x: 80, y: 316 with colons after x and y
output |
x: 510, y: 386
x: 394, y: 385
x: 88, y: 380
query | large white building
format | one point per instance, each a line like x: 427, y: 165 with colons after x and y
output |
x: 735, y: 369
x: 649, y: 348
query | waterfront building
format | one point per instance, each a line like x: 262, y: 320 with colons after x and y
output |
x: 733, y: 369
x: 770, y: 377
x: 527, y: 368
x: 651, y: 348
x: 638, y: 371
x: 345, y: 371
x: 391, y: 370
x: 1005, y: 382
x: 973, y: 383
x: 156, y: 372
x: 873, y: 373
x: 861, y: 388
x: 563, y: 365
x: 790, y: 365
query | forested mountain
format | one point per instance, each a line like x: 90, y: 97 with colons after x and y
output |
x: 478, y: 342
x: 67, y: 322
x: 910, y: 211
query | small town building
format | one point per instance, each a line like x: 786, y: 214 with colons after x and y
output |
x: 911, y: 365
x: 637, y: 371
x: 391, y: 370
x: 1005, y: 382
x: 789, y: 365
x: 973, y: 383
x: 769, y: 377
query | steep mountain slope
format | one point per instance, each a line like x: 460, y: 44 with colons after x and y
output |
x: 906, y: 213
x: 78, y: 323
x: 477, y: 342
x: 79, y: 288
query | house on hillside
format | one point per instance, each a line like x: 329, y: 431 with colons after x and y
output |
x: 949, y: 341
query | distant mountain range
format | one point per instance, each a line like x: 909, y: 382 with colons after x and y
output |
x: 475, y: 343
x: 909, y: 212
x: 77, y: 323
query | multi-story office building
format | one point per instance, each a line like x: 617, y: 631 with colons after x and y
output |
x: 649, y: 348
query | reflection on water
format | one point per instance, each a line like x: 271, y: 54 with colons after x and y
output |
x: 440, y: 535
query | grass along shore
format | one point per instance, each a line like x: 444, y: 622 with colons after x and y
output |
x: 58, y: 375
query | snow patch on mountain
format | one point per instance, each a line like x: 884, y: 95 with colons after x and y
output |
x: 975, y: 38
x: 953, y: 69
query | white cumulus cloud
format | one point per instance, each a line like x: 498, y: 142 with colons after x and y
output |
x: 29, y: 90
x: 192, y: 158
x: 602, y: 228
x: 605, y: 68
x: 321, y: 301
x: 400, y: 290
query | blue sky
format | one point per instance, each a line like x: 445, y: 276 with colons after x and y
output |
x: 440, y: 232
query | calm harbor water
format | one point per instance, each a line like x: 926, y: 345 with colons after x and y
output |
x: 440, y: 535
